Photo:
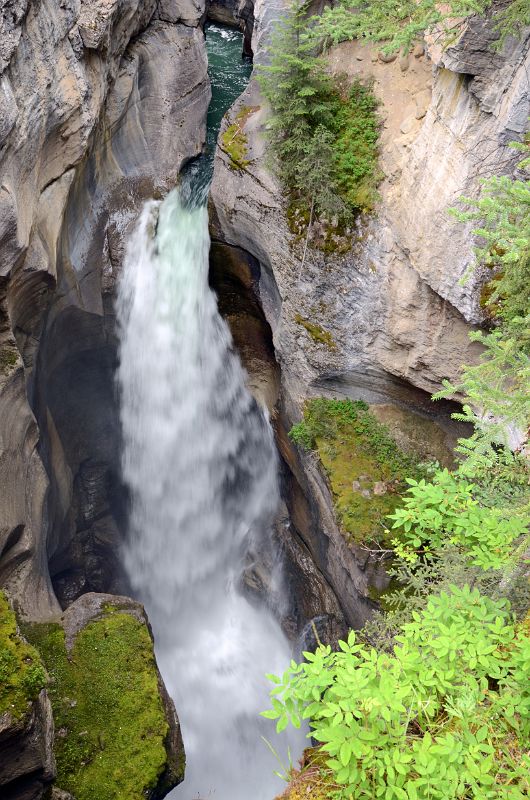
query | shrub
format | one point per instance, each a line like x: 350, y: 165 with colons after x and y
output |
x: 398, y: 23
x: 323, y: 138
x: 445, y: 512
x: 444, y: 717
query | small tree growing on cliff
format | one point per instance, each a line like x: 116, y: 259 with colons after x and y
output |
x: 398, y: 23
x: 323, y: 137
x: 300, y: 93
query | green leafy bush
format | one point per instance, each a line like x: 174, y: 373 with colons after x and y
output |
x: 503, y: 213
x: 497, y: 388
x: 445, y: 511
x: 446, y: 716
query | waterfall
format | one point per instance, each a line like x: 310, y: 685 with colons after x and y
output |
x: 200, y: 464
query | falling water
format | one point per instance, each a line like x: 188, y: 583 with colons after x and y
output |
x: 200, y: 463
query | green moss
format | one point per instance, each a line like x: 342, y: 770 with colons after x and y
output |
x: 359, y: 456
x: 317, y: 333
x: 235, y: 141
x: 358, y: 172
x: 22, y: 673
x: 109, y: 719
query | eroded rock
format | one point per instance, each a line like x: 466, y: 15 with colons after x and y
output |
x: 100, y: 654
x: 122, y: 102
x: 27, y: 765
x: 393, y: 305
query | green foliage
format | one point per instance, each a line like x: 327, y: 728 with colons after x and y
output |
x: 503, y: 211
x: 398, y: 23
x: 497, y: 400
x: 235, y: 141
x: 512, y: 19
x: 323, y: 137
x: 440, y: 710
x: 22, y: 674
x: 354, y: 447
x: 356, y: 147
x: 445, y: 511
x: 106, y: 706
x: 444, y: 717
x: 497, y: 389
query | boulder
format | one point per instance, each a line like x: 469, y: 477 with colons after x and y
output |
x: 27, y: 765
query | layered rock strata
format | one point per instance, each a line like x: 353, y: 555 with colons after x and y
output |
x: 101, y: 104
x: 391, y: 313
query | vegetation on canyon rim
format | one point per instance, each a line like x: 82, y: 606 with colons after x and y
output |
x: 398, y: 23
x: 109, y: 720
x: 322, y: 134
x: 431, y: 700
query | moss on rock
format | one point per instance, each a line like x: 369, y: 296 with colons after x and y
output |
x: 22, y: 674
x: 366, y: 469
x: 110, y: 722
x: 9, y: 357
x: 318, y: 334
x: 235, y: 142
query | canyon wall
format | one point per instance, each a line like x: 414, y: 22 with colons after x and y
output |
x: 390, y: 315
x: 101, y: 104
x: 393, y: 306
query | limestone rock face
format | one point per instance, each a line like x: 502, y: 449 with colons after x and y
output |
x: 393, y: 305
x: 100, y: 104
x: 190, y: 12
x: 391, y: 312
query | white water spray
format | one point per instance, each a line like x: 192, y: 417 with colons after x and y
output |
x: 200, y: 464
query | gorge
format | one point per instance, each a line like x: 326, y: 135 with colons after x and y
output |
x: 126, y: 418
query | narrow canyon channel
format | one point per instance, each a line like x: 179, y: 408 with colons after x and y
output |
x: 201, y: 466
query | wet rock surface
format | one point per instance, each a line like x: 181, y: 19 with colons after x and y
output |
x: 122, y: 93
x: 27, y: 765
